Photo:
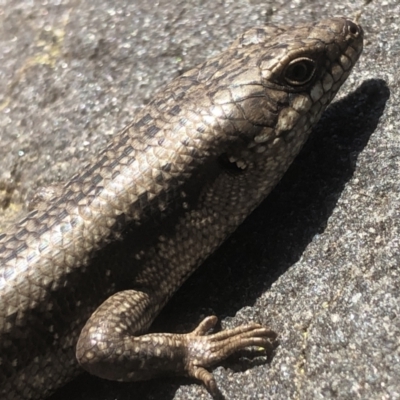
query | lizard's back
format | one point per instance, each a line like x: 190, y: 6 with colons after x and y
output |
x: 163, y: 195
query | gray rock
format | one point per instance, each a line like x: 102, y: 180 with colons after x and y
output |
x: 318, y: 261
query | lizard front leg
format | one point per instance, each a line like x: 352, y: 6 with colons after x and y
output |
x: 113, y: 344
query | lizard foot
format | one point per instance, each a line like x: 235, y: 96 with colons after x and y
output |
x: 204, y: 350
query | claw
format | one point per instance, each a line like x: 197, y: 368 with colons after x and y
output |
x: 204, y: 350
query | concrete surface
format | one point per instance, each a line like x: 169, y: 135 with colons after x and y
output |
x: 318, y: 261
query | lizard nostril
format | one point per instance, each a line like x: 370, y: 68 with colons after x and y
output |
x: 353, y: 28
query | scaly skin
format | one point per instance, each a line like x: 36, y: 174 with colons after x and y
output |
x: 83, y: 277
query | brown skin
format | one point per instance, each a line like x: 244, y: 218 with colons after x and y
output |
x: 90, y: 270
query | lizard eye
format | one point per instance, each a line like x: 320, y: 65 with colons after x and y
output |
x: 299, y: 71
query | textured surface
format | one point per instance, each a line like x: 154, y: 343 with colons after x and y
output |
x: 206, y: 127
x: 328, y: 232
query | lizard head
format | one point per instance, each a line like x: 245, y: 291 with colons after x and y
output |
x: 277, y: 86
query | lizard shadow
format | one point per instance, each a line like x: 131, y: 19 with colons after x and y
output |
x: 268, y: 243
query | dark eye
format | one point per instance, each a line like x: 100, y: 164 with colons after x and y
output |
x: 299, y: 71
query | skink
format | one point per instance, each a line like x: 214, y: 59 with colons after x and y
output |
x: 83, y: 276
